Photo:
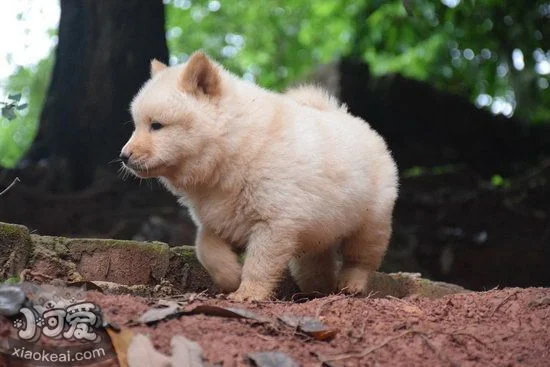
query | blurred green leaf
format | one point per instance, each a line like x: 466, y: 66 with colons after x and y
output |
x: 16, y: 136
x: 8, y: 113
x: 15, y: 97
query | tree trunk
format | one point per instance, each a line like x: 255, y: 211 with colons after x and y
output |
x: 102, y: 59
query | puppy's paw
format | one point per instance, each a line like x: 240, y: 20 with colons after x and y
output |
x: 353, y: 282
x: 352, y: 290
x: 248, y: 294
x: 237, y: 297
x: 227, y: 283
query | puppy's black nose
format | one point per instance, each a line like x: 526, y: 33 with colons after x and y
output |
x: 124, y: 158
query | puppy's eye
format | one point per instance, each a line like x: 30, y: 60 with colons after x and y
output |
x: 155, y: 125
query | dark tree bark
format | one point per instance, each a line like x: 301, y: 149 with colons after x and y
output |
x: 102, y: 58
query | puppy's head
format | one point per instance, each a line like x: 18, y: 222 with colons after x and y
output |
x: 174, y: 116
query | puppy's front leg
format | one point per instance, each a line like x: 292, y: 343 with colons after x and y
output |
x: 267, y: 256
x: 219, y: 260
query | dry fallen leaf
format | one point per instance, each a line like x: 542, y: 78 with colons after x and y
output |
x: 121, y: 340
x: 310, y: 326
x: 155, y: 315
x: 230, y: 312
x: 185, y: 352
x: 272, y: 359
x: 142, y: 353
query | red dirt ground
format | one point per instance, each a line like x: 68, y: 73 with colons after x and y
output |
x: 509, y: 327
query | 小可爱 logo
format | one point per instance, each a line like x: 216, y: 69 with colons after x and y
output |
x: 58, y: 327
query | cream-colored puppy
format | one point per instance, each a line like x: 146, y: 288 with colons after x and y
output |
x: 287, y: 177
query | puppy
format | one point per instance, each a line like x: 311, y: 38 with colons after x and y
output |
x: 289, y: 178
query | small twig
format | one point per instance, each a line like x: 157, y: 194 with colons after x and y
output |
x: 503, y: 302
x: 267, y: 338
x: 326, y: 303
x: 458, y: 332
x: 470, y: 336
x: 402, y: 301
x: 15, y: 180
x: 397, y: 299
x: 361, y: 334
x: 370, y: 350
x: 437, y: 352
x: 196, y: 296
x: 423, y: 334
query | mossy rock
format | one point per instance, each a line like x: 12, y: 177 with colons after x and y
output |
x: 186, y: 272
x: 407, y: 284
x: 118, y: 261
x: 15, y: 249
x: 148, y: 264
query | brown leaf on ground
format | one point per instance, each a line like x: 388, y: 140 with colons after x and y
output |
x: 272, y: 359
x: 309, y: 326
x: 230, y: 312
x: 155, y: 315
x: 121, y: 340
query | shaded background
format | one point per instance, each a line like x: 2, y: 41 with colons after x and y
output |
x: 459, y: 88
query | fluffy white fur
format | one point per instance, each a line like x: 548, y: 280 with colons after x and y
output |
x: 288, y: 177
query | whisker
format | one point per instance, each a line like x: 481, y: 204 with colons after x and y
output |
x: 116, y: 160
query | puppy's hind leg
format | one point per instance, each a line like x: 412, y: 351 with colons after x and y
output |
x: 363, y: 253
x: 219, y: 260
x: 315, y: 272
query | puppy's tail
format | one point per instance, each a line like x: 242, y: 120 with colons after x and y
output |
x: 316, y: 97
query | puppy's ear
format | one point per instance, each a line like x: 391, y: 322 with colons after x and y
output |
x: 200, y: 76
x: 157, y: 66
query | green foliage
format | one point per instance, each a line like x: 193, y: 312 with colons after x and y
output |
x: 272, y: 42
x: 464, y: 47
x: 18, y: 132
x: 11, y: 281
